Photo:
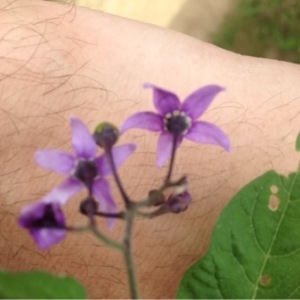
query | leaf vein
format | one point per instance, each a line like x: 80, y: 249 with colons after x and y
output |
x: 267, y: 256
x: 239, y: 263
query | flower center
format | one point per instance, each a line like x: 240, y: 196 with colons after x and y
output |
x: 86, y: 171
x: 48, y: 219
x: 177, y: 122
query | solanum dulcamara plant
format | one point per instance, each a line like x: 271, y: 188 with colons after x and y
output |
x: 88, y: 170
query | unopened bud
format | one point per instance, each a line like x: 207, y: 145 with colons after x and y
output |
x: 176, y: 187
x: 88, y: 206
x: 180, y: 187
x: 106, y: 135
x: 178, y: 203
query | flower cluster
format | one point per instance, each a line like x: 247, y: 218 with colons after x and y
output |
x: 84, y: 169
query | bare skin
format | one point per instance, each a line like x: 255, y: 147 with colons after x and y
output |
x: 57, y: 61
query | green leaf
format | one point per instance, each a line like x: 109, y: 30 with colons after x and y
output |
x: 298, y: 142
x: 255, y: 246
x: 34, y: 285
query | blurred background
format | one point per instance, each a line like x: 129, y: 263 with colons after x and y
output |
x: 263, y: 28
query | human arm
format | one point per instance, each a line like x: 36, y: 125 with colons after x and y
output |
x: 58, y: 61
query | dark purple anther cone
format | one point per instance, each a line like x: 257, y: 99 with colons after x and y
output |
x: 86, y: 171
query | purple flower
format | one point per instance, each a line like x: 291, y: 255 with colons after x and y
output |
x: 44, y: 219
x: 179, y: 119
x: 83, y: 169
x: 45, y: 222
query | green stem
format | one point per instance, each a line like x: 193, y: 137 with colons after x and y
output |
x: 149, y: 200
x: 150, y: 215
x: 108, y: 152
x: 118, y: 215
x: 107, y: 241
x: 175, y: 139
x: 128, y: 255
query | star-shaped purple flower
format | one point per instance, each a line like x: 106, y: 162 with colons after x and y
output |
x: 84, y: 169
x: 179, y: 119
x: 45, y: 222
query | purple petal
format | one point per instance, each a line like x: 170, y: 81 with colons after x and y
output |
x: 144, y: 120
x: 164, y: 101
x: 47, y: 237
x: 196, y: 103
x: 31, y: 212
x: 119, y: 154
x: 164, y: 148
x: 63, y: 192
x: 45, y: 222
x: 55, y: 160
x: 102, y: 192
x: 207, y: 133
x: 83, y: 143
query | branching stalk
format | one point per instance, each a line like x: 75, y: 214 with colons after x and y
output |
x: 128, y: 254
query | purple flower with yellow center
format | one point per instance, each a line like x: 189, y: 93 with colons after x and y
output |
x: 176, y: 120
